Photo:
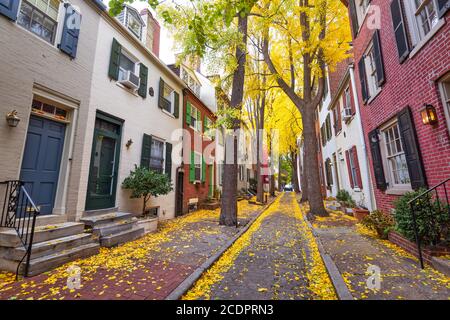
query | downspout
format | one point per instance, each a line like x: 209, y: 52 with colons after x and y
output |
x: 367, y: 185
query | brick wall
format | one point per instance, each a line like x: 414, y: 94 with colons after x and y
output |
x: 413, y: 84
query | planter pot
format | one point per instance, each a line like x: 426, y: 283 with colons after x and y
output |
x: 150, y: 225
x: 360, y: 214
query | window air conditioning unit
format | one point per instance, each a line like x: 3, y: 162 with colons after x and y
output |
x: 347, y: 114
x: 130, y: 80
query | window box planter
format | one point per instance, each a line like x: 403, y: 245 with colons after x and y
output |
x: 150, y: 224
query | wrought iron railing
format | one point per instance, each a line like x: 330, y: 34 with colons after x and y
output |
x: 430, y: 207
x: 19, y: 213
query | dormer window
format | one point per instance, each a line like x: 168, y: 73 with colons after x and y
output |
x: 191, y: 82
x: 134, y: 23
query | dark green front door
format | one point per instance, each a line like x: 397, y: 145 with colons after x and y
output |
x: 102, y: 184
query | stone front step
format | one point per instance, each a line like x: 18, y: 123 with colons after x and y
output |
x: 41, y: 249
x: 10, y: 239
x: 49, y: 220
x: 52, y: 261
x: 122, y: 237
x: 93, y: 213
x: 105, y: 219
x: 114, y: 227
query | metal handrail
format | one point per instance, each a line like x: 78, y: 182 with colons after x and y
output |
x: 412, y: 203
x: 20, y: 213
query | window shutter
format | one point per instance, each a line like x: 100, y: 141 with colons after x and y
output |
x: 363, y: 79
x: 353, y: 18
x: 169, y: 160
x: 115, y: 60
x: 378, y: 57
x: 9, y: 8
x: 161, y: 94
x: 443, y: 7
x: 203, y: 169
x: 199, y: 121
x: 349, y: 168
x: 188, y: 113
x: 71, y: 31
x: 192, y: 168
x: 377, y: 160
x: 399, y: 30
x: 146, y: 151
x: 339, y: 117
x: 176, y: 109
x: 356, y: 164
x: 352, y: 100
x: 411, y: 148
x: 143, y: 75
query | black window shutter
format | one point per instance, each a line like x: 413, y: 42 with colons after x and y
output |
x: 363, y: 79
x: 161, y: 93
x: 411, y: 148
x: 353, y: 18
x: 443, y: 7
x: 114, y: 62
x: 169, y: 160
x: 399, y: 30
x: 146, y: 150
x: 378, y: 57
x: 9, y: 8
x: 143, y: 75
x: 176, y: 109
x: 377, y: 160
x: 71, y: 31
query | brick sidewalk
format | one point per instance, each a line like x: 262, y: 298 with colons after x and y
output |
x: 146, y: 269
x: 353, y: 248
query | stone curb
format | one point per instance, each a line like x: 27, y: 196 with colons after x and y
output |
x: 183, y: 287
x: 337, y: 280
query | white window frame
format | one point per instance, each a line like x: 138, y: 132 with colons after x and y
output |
x: 171, y: 99
x: 190, y: 81
x: 132, y: 59
x: 163, y: 152
x: 392, y: 188
x: 371, y: 72
x: 58, y: 27
x: 198, y: 122
x: 128, y: 15
x: 353, y: 169
x: 198, y: 165
x: 444, y: 88
x: 361, y: 11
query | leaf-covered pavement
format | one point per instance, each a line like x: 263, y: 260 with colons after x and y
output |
x: 148, y: 268
x: 277, y: 258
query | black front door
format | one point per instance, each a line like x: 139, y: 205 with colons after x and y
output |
x: 179, y: 194
x: 105, y: 156
x: 42, y: 160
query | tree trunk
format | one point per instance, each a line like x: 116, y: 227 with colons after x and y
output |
x: 228, y: 213
x: 295, y: 183
x: 304, y: 180
x: 312, y: 168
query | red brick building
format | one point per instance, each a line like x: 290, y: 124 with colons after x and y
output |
x: 402, y: 66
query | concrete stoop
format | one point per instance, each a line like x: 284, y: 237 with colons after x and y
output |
x: 53, y: 245
x: 113, y: 227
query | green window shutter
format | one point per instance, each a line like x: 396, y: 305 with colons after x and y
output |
x: 203, y: 169
x: 192, y: 168
x: 143, y: 75
x: 169, y: 160
x: 176, y: 109
x: 188, y: 113
x: 146, y: 150
x: 161, y: 94
x: 205, y: 124
x: 199, y: 122
x: 114, y: 61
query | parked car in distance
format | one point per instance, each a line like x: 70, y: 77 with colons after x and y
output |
x: 288, y: 188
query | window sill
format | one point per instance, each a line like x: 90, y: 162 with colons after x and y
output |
x: 356, y: 189
x: 375, y: 95
x: 130, y: 91
x: 168, y: 113
x: 398, y: 191
x: 427, y: 38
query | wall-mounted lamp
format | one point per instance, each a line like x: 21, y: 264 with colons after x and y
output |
x: 429, y: 115
x: 12, y: 119
x: 129, y: 143
x: 151, y: 92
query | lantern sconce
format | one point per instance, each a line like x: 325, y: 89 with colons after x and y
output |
x: 12, y: 119
x: 129, y: 143
x: 429, y: 115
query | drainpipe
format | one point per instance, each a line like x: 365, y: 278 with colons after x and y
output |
x: 367, y: 185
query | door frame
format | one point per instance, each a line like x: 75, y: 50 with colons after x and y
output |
x: 108, y: 118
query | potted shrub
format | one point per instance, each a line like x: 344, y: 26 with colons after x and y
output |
x: 144, y: 183
x: 379, y: 222
x: 346, y: 201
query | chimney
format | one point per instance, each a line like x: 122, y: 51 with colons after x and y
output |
x: 152, y: 33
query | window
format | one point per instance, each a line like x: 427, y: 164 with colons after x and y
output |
x: 157, y: 156
x: 169, y: 98
x: 329, y: 173
x: 198, y: 166
x: 445, y: 91
x: 371, y: 71
x: 196, y: 119
x: 134, y: 24
x: 347, y: 99
x: 126, y: 63
x: 362, y: 7
x: 397, y: 166
x: 49, y: 110
x: 190, y: 81
x: 426, y: 16
x: 337, y: 119
x: 353, y: 168
x: 40, y: 17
